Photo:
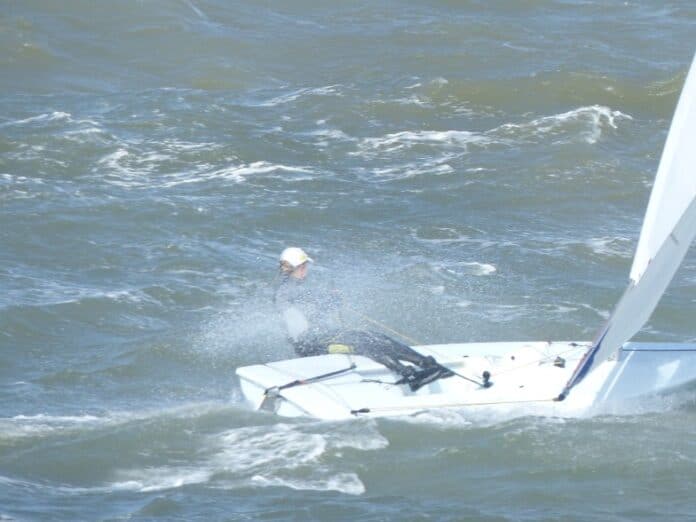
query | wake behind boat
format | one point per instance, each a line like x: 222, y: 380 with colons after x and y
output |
x: 556, y: 378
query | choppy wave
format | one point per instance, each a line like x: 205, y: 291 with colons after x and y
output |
x: 328, y: 90
x: 612, y: 246
x: 407, y: 139
x: 460, y: 268
x: 588, y: 123
x: 301, y: 457
x: 435, y: 167
x: 43, y: 425
x: 64, y: 118
x: 136, y: 177
x: 49, y: 293
x: 128, y: 170
x: 13, y: 187
x: 585, y: 123
x: 297, y: 456
x: 155, y: 157
x: 41, y: 118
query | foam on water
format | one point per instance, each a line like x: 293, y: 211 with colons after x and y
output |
x: 43, y: 425
x: 148, y: 182
x: 407, y: 139
x: 410, y: 100
x: 328, y: 137
x: 183, y: 146
x: 83, y: 132
x: 585, y: 124
x: 328, y: 90
x: 612, y: 246
x: 55, y: 293
x: 448, y: 235
x: 21, y: 426
x: 150, y: 169
x: 41, y: 118
x: 592, y: 120
x: 459, y: 268
x: 450, y: 418
x: 348, y: 483
x: 435, y: 167
x: 240, y: 173
x: 302, y: 457
x: 157, y: 479
x: 481, y: 268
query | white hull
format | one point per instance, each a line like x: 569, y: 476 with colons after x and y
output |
x: 526, y: 379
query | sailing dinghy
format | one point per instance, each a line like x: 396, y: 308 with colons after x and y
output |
x: 519, y: 378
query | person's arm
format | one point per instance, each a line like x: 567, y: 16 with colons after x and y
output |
x: 296, y: 323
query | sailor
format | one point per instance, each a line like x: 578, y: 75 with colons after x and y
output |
x: 313, y: 325
x: 310, y: 315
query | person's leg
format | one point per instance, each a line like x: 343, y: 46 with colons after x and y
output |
x: 391, y: 353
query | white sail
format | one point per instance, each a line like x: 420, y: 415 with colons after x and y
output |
x: 668, y: 230
x: 675, y: 182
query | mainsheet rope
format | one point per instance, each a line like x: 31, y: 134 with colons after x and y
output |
x: 384, y: 326
x: 418, y: 343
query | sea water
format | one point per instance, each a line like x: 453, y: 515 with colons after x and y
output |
x: 462, y: 171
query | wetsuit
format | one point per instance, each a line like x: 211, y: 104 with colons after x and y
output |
x: 310, y: 316
x: 313, y: 328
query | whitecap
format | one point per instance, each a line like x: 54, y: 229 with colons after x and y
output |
x: 41, y: 424
x: 83, y: 132
x: 410, y: 100
x: 434, y: 168
x: 111, y: 160
x: 407, y: 139
x: 299, y: 93
x: 129, y: 170
x: 611, y: 246
x: 159, y: 478
x: 348, y: 483
x: 52, y: 293
x: 481, y: 269
x: 464, y: 268
x: 264, y: 449
x: 588, y: 123
x: 177, y: 145
x: 594, y: 118
x: 53, y: 116
x: 56, y: 418
x: 239, y: 173
x: 334, y: 134
x: 281, y: 455
x: 294, y: 456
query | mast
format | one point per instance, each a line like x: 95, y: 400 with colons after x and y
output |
x: 668, y: 230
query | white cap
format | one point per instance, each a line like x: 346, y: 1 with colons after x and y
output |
x: 294, y: 256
